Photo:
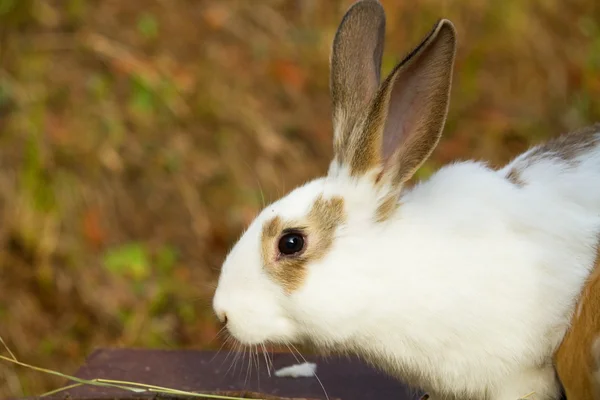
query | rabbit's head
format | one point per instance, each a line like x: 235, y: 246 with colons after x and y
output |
x: 289, y: 275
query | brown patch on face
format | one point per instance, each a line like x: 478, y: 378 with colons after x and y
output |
x: 515, y: 178
x: 319, y: 227
x: 576, y: 362
x: 567, y: 147
x: 271, y: 230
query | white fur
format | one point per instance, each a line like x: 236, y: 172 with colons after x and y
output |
x: 465, y: 292
x: 304, y: 370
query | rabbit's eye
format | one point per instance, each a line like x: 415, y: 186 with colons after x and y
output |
x: 291, y: 243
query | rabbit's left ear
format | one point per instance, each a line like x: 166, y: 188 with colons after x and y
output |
x: 355, y: 66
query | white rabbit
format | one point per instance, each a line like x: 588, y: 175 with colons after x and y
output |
x: 462, y: 285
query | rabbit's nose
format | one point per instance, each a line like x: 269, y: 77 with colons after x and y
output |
x: 222, y: 317
x: 218, y: 308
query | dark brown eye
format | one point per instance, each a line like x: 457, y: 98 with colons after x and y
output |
x: 291, y: 243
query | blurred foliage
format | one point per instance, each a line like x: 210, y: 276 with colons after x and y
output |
x: 137, y: 139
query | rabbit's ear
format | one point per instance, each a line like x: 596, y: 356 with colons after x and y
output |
x: 355, y: 67
x: 411, y: 108
x: 405, y: 120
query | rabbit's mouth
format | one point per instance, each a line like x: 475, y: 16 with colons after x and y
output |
x: 252, y: 317
x: 249, y: 332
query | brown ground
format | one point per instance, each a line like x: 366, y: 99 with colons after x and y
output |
x: 136, y: 138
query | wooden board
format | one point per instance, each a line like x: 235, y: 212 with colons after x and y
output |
x: 206, y: 371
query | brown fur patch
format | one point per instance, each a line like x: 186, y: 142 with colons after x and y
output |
x: 387, y: 207
x: 319, y: 227
x: 567, y: 147
x: 514, y: 176
x: 596, y: 372
x: 576, y: 364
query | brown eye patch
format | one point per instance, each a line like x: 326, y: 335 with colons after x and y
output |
x: 316, y: 231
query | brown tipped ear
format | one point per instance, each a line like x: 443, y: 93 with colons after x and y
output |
x: 407, y: 116
x: 355, y: 68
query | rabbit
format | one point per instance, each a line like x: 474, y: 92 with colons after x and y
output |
x: 461, y: 285
x: 577, y: 359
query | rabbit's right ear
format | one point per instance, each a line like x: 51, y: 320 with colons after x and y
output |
x: 355, y: 67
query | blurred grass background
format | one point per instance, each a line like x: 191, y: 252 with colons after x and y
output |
x: 136, y: 138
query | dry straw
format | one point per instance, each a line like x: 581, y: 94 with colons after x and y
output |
x: 124, y: 385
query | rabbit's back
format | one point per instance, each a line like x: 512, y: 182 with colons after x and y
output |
x: 569, y: 164
x: 564, y: 174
